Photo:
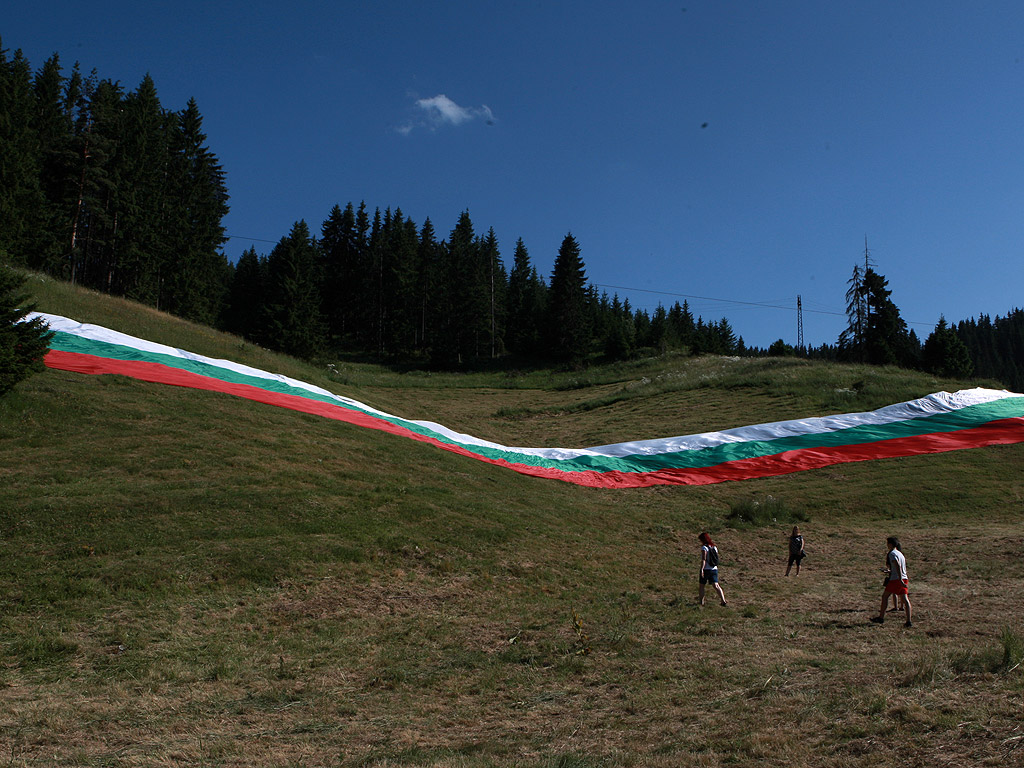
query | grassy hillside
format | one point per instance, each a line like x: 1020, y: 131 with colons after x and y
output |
x: 191, y: 579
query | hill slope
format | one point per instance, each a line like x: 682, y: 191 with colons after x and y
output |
x: 191, y: 578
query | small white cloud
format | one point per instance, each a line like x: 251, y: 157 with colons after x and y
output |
x: 440, y: 110
x: 443, y: 110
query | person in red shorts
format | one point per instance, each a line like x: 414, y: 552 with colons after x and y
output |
x: 896, y: 580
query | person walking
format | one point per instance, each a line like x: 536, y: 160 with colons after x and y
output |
x: 896, y: 581
x: 796, y: 550
x: 896, y: 604
x: 709, y: 567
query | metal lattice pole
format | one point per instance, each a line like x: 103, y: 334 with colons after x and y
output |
x: 799, y: 323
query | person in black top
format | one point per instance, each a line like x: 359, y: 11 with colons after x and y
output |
x: 796, y: 550
x: 709, y: 567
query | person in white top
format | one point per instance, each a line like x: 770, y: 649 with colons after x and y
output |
x: 896, y: 581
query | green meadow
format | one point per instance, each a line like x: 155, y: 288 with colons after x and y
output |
x: 188, y: 578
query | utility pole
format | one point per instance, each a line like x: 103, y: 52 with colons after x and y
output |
x: 799, y: 324
x: 867, y: 266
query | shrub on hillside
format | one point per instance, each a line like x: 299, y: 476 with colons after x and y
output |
x: 757, y: 513
x: 23, y: 343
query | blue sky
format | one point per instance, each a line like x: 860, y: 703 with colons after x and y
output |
x: 735, y: 154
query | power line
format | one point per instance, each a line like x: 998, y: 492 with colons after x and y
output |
x: 254, y: 239
x: 764, y: 305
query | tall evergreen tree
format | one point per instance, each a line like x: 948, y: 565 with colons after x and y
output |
x: 462, y: 298
x: 886, y: 341
x: 526, y: 303
x: 853, y: 339
x: 944, y: 354
x: 377, y: 260
x: 293, y: 321
x: 340, y: 271
x: 22, y: 202
x: 619, y: 332
x: 195, y: 271
x: 65, y: 178
x: 427, y: 264
x: 497, y: 292
x: 660, y: 332
x: 52, y: 125
x: 141, y: 249
x: 568, y: 320
x: 727, y: 341
x: 400, y: 252
x: 682, y: 320
x: 243, y: 311
x: 94, y: 215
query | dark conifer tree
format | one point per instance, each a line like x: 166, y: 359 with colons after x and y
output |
x: 340, y: 271
x: 293, y: 321
x: 462, y: 300
x: 726, y: 337
x: 568, y: 314
x: 600, y: 316
x: 944, y: 354
x: 94, y: 216
x: 620, y: 334
x: 195, y: 271
x: 23, y: 343
x: 22, y: 202
x: 141, y: 249
x: 853, y: 340
x: 400, y: 254
x: 685, y: 325
x: 244, y: 306
x: 497, y: 292
x: 701, y: 338
x: 886, y: 341
x: 659, y: 333
x: 427, y: 264
x: 52, y: 125
x: 66, y: 180
x: 642, y: 327
x: 373, y: 264
x: 525, y: 305
x: 349, y: 279
x: 987, y: 358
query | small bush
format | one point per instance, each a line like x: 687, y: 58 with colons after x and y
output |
x: 751, y: 512
x: 1013, y: 648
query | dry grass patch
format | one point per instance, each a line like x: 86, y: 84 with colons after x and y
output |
x: 405, y: 666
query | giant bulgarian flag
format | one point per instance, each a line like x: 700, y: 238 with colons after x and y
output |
x: 939, y: 422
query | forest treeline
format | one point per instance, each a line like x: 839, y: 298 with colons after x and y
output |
x: 385, y: 285
x: 108, y: 189
x: 878, y: 335
x: 104, y: 187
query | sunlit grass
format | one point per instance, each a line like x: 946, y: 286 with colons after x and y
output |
x: 190, y: 578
